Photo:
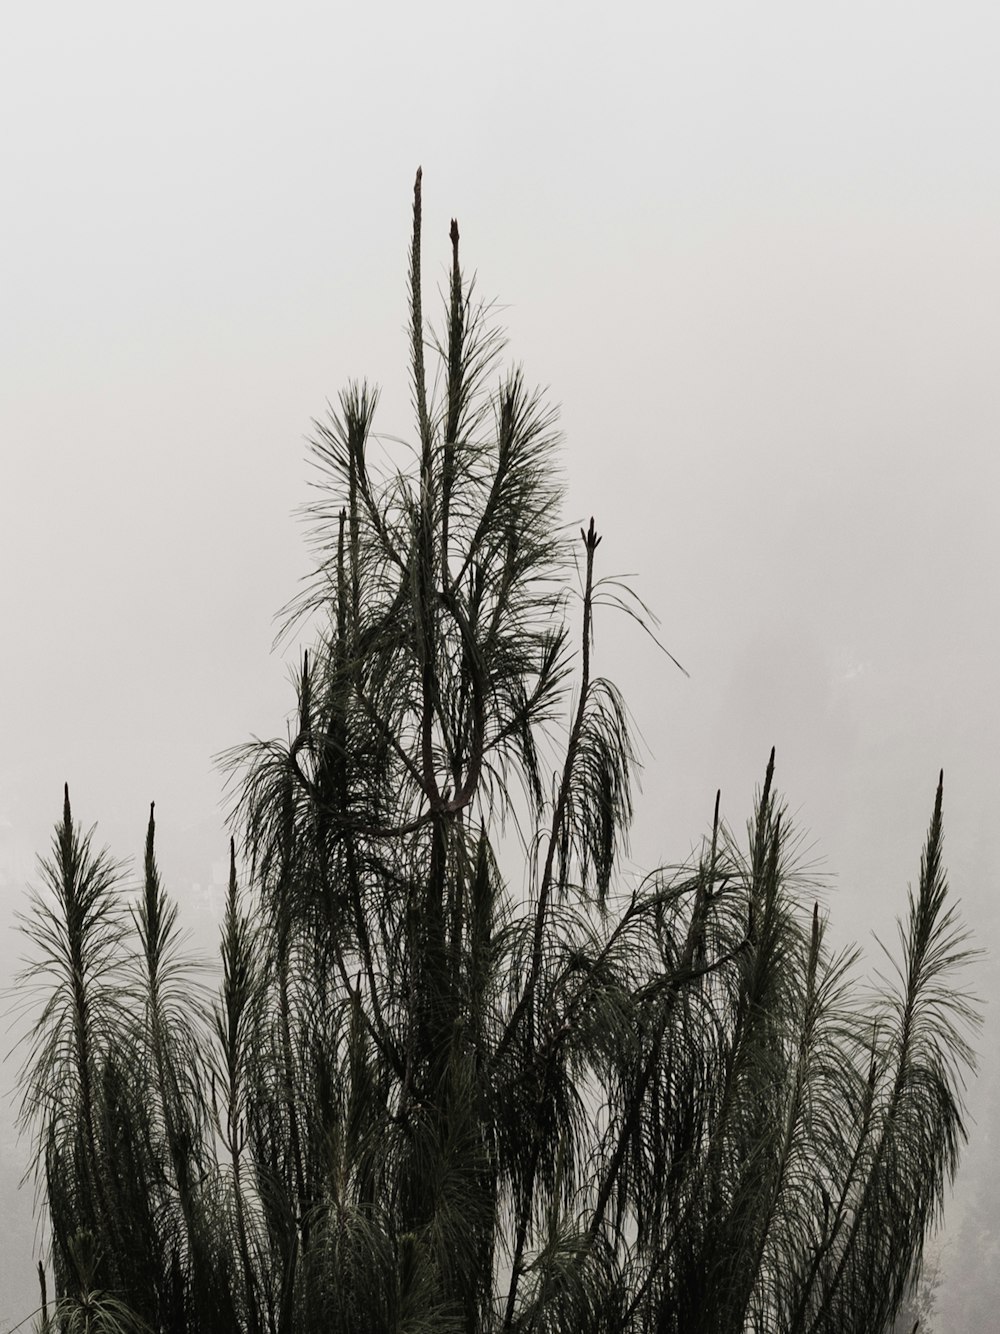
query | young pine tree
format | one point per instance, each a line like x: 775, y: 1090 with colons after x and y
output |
x: 434, y: 1097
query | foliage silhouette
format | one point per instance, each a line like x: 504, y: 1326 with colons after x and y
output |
x: 420, y: 1099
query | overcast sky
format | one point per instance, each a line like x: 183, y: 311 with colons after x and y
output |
x: 750, y: 249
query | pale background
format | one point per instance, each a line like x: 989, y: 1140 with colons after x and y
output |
x: 752, y: 249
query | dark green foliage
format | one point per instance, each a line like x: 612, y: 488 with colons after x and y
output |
x: 426, y: 1097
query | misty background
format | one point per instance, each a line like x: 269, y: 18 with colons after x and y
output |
x: 753, y: 253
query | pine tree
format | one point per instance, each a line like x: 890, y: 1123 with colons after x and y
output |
x: 426, y: 1097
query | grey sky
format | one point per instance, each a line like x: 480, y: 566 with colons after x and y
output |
x: 751, y: 249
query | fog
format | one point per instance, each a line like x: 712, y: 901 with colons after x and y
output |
x: 752, y: 253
